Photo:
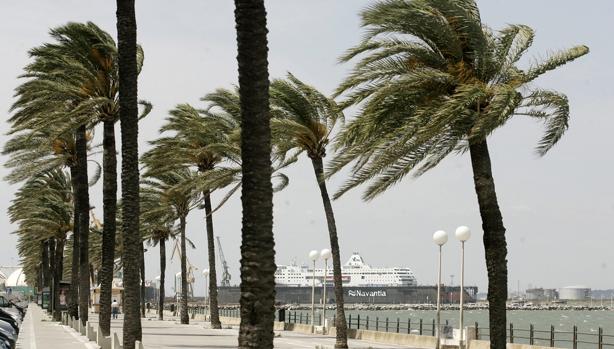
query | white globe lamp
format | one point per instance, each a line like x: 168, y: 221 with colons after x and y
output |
x: 314, y: 255
x: 440, y: 237
x: 325, y: 254
x: 463, y: 233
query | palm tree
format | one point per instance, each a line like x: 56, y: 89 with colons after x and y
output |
x: 31, y: 152
x: 303, y: 119
x: 434, y: 79
x: 257, y: 246
x: 79, y: 71
x: 42, y: 207
x: 128, y: 111
x: 205, y: 141
x: 177, y: 204
x: 157, y: 229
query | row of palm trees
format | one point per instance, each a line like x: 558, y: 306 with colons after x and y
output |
x: 429, y: 79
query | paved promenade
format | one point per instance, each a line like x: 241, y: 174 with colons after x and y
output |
x: 38, y: 332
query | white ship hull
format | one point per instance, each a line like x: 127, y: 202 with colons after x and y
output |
x: 355, y: 273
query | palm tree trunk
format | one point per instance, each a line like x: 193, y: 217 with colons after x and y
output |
x: 128, y: 109
x: 109, y: 202
x: 73, y: 302
x: 57, y: 277
x: 142, y: 255
x: 213, y: 306
x: 50, y: 252
x: 162, y: 276
x: 340, y: 325
x: 45, y: 262
x: 257, y: 243
x: 183, y: 307
x: 495, y: 246
x: 84, y: 223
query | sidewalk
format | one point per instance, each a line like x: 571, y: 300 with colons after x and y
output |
x: 39, y: 332
x: 169, y: 334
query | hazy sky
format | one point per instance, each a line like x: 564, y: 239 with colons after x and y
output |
x: 557, y: 210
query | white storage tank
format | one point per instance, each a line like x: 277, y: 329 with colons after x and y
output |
x: 574, y: 293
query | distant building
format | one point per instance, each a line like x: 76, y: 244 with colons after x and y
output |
x: 551, y: 294
x: 574, y: 293
x: 535, y: 294
x: 541, y: 294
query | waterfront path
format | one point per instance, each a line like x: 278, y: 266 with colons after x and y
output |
x: 169, y: 334
x: 39, y: 332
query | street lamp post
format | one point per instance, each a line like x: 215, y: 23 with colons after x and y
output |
x: 313, y: 255
x: 177, y: 294
x: 207, y: 305
x: 463, y: 234
x: 440, y: 237
x: 324, y: 254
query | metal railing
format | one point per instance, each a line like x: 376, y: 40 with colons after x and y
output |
x: 383, y: 324
x: 552, y: 337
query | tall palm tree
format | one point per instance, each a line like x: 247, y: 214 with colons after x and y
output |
x: 74, y: 83
x: 177, y: 204
x: 257, y: 246
x: 303, y: 119
x: 434, y: 79
x: 128, y: 111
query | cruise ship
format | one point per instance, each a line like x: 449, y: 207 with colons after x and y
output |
x: 355, y: 273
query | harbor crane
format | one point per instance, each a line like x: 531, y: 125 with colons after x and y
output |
x: 225, y: 274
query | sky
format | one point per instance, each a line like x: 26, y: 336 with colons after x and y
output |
x: 557, y: 209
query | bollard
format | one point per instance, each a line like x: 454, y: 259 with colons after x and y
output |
x: 575, y: 337
x: 377, y: 323
x: 102, y: 341
x: 89, y: 332
x: 398, y: 325
x: 115, y: 344
x: 358, y: 326
x: 350, y: 321
x: 433, y: 328
x: 386, y: 324
x: 367, y: 322
x: 421, y: 327
x: 408, y: 325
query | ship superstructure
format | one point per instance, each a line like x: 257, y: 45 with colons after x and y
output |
x: 355, y: 273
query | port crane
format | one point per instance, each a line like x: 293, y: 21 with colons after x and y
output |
x: 225, y: 274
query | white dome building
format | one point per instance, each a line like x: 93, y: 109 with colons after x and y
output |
x: 16, y: 279
x: 2, y: 280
